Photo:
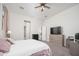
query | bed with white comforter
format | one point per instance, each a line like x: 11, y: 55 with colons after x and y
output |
x: 29, y: 47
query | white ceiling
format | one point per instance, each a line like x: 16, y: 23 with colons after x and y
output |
x: 30, y: 11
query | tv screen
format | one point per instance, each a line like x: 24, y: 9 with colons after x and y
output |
x: 55, y: 30
x: 35, y: 36
x: 77, y: 36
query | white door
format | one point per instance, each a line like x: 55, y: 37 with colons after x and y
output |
x: 44, y: 33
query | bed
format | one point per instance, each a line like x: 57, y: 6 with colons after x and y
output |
x: 28, y: 47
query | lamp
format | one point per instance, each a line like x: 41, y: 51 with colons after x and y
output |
x: 8, y: 34
x: 42, y: 8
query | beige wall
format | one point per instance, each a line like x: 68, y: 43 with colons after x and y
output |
x: 68, y: 19
x: 17, y: 25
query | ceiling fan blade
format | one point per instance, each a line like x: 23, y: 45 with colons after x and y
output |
x: 37, y: 6
x: 47, y: 7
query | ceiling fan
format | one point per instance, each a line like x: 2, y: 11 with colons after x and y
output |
x: 42, y: 6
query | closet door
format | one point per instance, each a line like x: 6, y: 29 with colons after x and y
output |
x: 44, y: 33
x: 27, y: 30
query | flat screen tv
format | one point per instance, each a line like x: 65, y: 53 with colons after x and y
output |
x: 55, y: 30
x: 77, y: 36
x: 35, y: 36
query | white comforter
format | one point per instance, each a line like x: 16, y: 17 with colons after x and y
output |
x: 26, y: 47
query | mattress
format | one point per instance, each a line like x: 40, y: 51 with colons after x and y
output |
x: 27, y: 48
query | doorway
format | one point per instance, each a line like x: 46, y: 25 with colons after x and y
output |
x: 27, y: 29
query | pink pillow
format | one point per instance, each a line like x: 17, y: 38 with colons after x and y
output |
x: 4, y: 46
x: 1, y: 53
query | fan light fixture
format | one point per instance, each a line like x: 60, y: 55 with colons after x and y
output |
x: 42, y: 6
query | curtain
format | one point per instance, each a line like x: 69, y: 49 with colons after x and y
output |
x: 5, y: 20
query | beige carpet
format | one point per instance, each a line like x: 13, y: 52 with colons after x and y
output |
x: 58, y: 50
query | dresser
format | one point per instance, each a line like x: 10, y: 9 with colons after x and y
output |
x: 57, y: 40
x: 74, y: 48
x: 68, y: 42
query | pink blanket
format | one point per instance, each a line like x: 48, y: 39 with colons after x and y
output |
x: 42, y: 53
x: 1, y: 53
x: 39, y: 53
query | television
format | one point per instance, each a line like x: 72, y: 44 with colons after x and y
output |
x: 35, y: 36
x: 55, y: 30
x: 77, y: 36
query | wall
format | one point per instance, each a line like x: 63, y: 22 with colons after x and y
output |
x: 17, y: 25
x: 68, y: 19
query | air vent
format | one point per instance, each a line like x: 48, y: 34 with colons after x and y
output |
x: 21, y: 7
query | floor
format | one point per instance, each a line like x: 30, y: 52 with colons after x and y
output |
x: 58, y: 50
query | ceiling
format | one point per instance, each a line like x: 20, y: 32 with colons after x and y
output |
x: 30, y: 11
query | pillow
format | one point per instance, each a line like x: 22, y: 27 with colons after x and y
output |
x: 1, y: 38
x: 4, y: 46
x: 11, y: 41
x: 1, y: 53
